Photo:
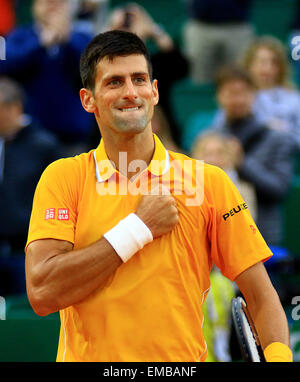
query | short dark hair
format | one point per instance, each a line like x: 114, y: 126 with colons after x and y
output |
x: 110, y: 44
x: 233, y: 73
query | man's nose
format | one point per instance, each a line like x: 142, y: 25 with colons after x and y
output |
x: 130, y: 90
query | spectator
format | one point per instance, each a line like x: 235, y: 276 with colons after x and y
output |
x: 277, y: 103
x: 44, y: 57
x: 216, y: 149
x: 169, y: 64
x: 25, y: 151
x: 267, y: 153
x: 215, y: 34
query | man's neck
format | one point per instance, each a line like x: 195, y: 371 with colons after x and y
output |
x: 138, y: 147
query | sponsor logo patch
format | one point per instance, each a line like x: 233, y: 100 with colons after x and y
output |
x: 235, y: 210
x: 63, y: 214
x: 50, y: 213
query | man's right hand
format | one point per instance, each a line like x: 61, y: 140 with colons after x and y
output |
x: 158, y: 211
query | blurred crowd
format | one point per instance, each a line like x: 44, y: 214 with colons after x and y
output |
x: 254, y: 135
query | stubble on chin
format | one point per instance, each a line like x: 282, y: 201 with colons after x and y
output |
x: 132, y: 124
x: 124, y: 125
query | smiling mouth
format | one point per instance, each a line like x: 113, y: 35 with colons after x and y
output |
x: 128, y: 109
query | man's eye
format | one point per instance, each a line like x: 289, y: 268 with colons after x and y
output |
x: 114, y: 83
x: 139, y: 80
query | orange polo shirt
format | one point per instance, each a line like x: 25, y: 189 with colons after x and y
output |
x: 151, y: 308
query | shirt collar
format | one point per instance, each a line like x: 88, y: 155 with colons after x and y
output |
x: 105, y: 168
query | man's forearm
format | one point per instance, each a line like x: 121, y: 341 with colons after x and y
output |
x: 266, y: 311
x: 90, y: 268
x: 270, y: 320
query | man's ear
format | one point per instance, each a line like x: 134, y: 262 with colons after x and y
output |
x: 87, y: 100
x: 155, y: 92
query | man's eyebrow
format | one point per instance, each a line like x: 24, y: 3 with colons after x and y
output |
x: 120, y: 76
x: 112, y: 77
x: 135, y: 74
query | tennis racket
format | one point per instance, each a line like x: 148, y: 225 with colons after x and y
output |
x: 246, y: 334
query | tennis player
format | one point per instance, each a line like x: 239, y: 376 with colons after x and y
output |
x: 128, y: 270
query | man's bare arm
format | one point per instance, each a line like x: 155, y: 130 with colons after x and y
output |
x: 264, y: 305
x: 58, y: 276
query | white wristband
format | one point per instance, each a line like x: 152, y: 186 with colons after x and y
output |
x: 129, y: 236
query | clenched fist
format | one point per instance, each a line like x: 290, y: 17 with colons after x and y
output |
x: 158, y: 211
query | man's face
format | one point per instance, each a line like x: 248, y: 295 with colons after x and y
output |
x: 124, y: 97
x: 236, y: 98
x: 264, y: 68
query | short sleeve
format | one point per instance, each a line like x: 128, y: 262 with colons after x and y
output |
x: 54, y: 209
x: 236, y: 243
